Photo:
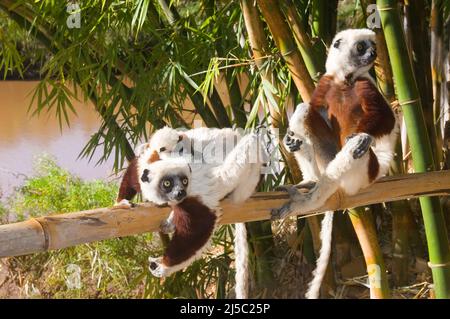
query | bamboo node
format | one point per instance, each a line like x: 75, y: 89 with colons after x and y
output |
x: 44, y: 232
x: 388, y: 8
x: 408, y: 102
x: 431, y: 265
x: 288, y: 52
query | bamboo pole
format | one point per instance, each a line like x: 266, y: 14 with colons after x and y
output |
x: 409, y: 99
x: 65, y: 230
x: 285, y: 42
x: 367, y: 236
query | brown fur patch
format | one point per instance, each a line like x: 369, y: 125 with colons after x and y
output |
x: 129, y: 185
x: 354, y: 108
x: 194, y: 226
x: 153, y: 157
x: 374, y: 166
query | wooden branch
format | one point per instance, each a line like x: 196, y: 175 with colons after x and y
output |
x: 65, y: 230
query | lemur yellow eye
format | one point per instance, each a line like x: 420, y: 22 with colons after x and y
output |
x: 359, y: 47
x: 167, y: 183
x: 185, y: 181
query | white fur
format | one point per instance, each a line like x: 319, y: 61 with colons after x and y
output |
x: 324, y: 256
x: 339, y: 62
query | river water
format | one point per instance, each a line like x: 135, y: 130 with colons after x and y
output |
x: 23, y: 137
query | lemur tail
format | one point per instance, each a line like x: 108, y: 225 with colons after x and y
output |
x: 241, y: 261
x: 324, y: 256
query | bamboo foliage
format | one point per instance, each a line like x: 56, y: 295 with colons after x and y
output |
x: 410, y: 102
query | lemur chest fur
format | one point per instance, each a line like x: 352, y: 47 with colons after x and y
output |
x: 354, y: 107
x: 344, y: 110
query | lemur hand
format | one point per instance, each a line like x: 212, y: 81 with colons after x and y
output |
x: 124, y: 204
x: 291, y: 142
x: 361, y: 144
x: 156, y: 267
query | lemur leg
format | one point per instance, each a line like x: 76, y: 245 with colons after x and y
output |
x: 245, y: 189
x: 244, y: 160
x: 129, y: 187
x: 348, y: 162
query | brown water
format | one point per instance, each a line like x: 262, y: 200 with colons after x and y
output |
x: 23, y: 137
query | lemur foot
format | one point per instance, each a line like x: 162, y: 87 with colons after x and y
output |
x: 306, y: 186
x: 156, y: 267
x: 166, y: 227
x: 124, y: 204
x: 360, y: 144
x: 297, y: 202
x: 292, y: 142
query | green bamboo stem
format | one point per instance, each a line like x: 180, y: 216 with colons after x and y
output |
x: 367, y: 237
x: 315, y: 63
x: 324, y: 18
x: 284, y: 41
x: 409, y: 99
x: 419, y: 39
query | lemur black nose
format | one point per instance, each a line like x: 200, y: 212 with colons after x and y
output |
x: 180, y: 194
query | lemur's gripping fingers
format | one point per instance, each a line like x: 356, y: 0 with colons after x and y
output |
x: 291, y: 206
x: 292, y: 142
x: 156, y: 267
x: 361, y: 144
x: 124, y: 204
x: 306, y: 186
x: 290, y: 189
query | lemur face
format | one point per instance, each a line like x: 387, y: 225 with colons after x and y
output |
x: 364, y: 53
x: 173, y: 188
x: 351, y: 54
x: 165, y: 182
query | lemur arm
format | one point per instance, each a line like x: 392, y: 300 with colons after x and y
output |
x: 129, y: 185
x: 378, y: 118
x: 194, y: 224
x: 319, y: 94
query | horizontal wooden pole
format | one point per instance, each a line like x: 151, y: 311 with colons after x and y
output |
x: 65, y: 230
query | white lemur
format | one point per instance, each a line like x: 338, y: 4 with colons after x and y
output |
x: 212, y: 180
x: 343, y: 139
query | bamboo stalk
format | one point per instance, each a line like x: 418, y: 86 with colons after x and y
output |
x: 285, y: 43
x: 314, y: 62
x: 367, y: 237
x: 65, y: 230
x: 409, y: 99
x: 437, y: 67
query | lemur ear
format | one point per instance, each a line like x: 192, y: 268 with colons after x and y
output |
x: 144, y: 177
x: 141, y: 148
x: 337, y: 43
x: 181, y: 136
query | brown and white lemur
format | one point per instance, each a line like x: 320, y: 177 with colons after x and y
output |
x: 194, y: 187
x: 343, y: 139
